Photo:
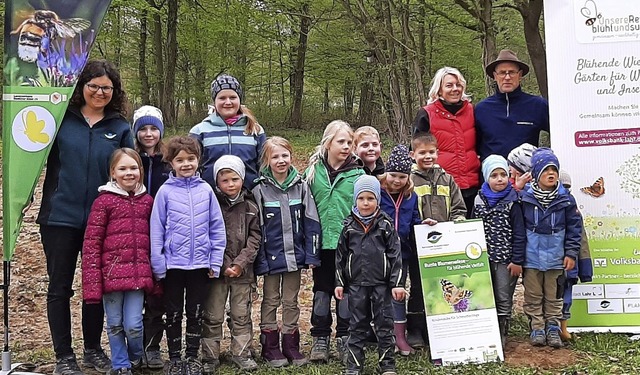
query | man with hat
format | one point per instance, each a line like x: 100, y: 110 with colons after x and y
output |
x: 510, y: 117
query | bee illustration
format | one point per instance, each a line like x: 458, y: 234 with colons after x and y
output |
x: 34, y: 128
x: 590, y: 12
x: 45, y: 24
x: 452, y: 294
x: 596, y: 190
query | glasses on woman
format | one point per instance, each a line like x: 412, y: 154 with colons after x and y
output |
x: 510, y: 73
x: 94, y: 88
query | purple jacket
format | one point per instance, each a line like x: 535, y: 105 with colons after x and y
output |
x: 187, y: 228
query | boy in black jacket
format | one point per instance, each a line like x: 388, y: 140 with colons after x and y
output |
x: 369, y: 266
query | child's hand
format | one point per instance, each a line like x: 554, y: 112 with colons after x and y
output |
x: 429, y: 221
x: 522, y: 180
x: 569, y: 263
x: 212, y: 275
x: 459, y: 219
x: 312, y: 266
x: 338, y: 292
x: 515, y: 269
x: 397, y: 294
x: 233, y: 271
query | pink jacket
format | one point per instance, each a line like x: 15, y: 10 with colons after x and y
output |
x: 116, y: 249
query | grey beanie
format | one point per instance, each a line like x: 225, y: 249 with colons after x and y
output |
x: 224, y: 82
x: 520, y: 157
x: 493, y: 162
x: 229, y: 162
x: 366, y: 183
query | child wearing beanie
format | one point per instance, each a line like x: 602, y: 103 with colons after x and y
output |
x: 242, y: 224
x: 369, y: 270
x: 553, y: 226
x: 231, y: 129
x: 401, y: 204
x: 520, y: 165
x: 501, y: 213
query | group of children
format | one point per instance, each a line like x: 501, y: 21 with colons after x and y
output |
x: 199, y: 244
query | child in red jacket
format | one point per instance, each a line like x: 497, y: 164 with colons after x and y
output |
x: 115, y: 257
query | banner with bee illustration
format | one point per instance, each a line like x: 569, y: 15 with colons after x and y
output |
x: 458, y: 294
x: 46, y: 46
x: 594, y: 108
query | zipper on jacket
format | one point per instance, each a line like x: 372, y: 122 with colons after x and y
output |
x: 384, y: 262
x: 349, y: 265
x: 506, y: 95
x: 229, y: 138
x: 297, y: 214
x: 553, y: 222
x: 149, y: 173
x: 85, y: 218
x: 192, y: 249
x: 535, y: 218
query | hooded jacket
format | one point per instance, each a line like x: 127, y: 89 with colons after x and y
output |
x: 218, y: 138
x: 243, y: 234
x: 115, y: 252
x: 78, y: 165
x: 187, y: 228
x: 369, y: 255
x: 439, y: 198
x: 504, y: 121
x: 290, y: 225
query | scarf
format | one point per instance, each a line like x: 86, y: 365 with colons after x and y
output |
x: 545, y: 197
x: 493, y: 197
x: 233, y: 119
x: 366, y: 220
x: 350, y: 163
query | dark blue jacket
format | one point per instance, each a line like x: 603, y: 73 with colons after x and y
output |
x: 78, y: 165
x: 404, y: 217
x: 552, y: 233
x: 156, y: 172
x: 504, y: 121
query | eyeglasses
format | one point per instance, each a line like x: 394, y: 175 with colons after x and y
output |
x: 94, y: 88
x: 510, y: 73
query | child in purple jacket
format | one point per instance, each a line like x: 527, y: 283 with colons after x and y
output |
x: 187, y: 246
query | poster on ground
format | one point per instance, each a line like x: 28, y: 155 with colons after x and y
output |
x: 46, y: 46
x: 594, y: 100
x: 458, y: 294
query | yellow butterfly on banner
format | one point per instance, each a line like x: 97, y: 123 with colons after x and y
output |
x: 33, y: 128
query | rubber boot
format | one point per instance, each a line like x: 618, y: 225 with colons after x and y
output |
x: 565, y: 335
x: 291, y: 348
x: 503, y: 323
x: 271, y: 353
x: 415, y: 338
x: 399, y: 330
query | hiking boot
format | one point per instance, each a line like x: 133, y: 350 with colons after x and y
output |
x: 120, y: 371
x: 244, y: 363
x: 173, y: 367
x: 97, y: 359
x: 192, y: 366
x: 136, y: 364
x: 209, y: 366
x: 341, y: 347
x: 67, y: 366
x: 553, y: 337
x: 320, y: 349
x: 538, y: 338
x: 291, y: 348
x: 152, y: 359
x: 270, y: 341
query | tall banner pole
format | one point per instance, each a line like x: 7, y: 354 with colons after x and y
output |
x: 46, y: 46
x: 593, y: 59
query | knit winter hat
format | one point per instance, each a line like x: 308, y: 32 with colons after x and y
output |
x: 229, y: 162
x: 147, y: 115
x: 491, y: 163
x: 399, y: 160
x: 541, y: 159
x: 223, y: 82
x: 565, y: 178
x: 366, y: 183
x: 520, y: 157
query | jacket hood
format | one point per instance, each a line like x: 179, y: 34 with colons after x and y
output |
x: 113, y: 187
x: 293, y: 176
x: 215, y: 119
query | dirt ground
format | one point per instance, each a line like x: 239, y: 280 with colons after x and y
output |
x: 29, y: 331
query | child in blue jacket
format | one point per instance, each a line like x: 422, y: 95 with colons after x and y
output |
x: 554, y: 228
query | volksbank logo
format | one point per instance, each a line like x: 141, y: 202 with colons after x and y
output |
x: 599, y: 262
x: 434, y: 236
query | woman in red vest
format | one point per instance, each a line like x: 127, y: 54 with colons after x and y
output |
x: 449, y: 116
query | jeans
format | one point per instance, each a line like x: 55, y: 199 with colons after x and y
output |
x: 124, y: 326
x: 504, y: 285
x: 61, y: 248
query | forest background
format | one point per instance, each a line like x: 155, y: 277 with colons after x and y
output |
x: 303, y: 63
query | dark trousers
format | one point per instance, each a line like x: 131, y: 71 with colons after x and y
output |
x: 362, y: 301
x: 324, y: 284
x: 177, y: 284
x: 416, y: 319
x: 153, y: 321
x: 469, y: 196
x: 61, y: 248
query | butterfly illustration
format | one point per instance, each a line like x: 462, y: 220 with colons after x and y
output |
x: 590, y: 12
x: 596, y: 190
x: 33, y: 128
x: 452, y: 294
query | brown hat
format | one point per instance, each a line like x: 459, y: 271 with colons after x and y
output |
x: 506, y: 56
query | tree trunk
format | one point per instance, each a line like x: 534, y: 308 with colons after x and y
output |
x: 488, y: 36
x: 325, y: 100
x: 158, y: 53
x: 366, y: 106
x: 531, y: 11
x: 348, y: 97
x: 169, y: 107
x: 142, y: 59
x: 298, y: 72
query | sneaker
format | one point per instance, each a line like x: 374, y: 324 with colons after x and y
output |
x: 341, y: 347
x: 192, y: 366
x: 67, y: 366
x: 538, y: 338
x: 320, y: 349
x: 136, y: 364
x: 97, y: 359
x: 388, y: 372
x: 209, y: 366
x: 245, y: 363
x: 553, y: 337
x: 153, y: 360
x: 173, y: 367
x: 120, y: 371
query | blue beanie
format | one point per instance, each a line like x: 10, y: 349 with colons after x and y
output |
x: 366, y: 183
x: 541, y: 159
x: 147, y: 115
x: 493, y: 162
